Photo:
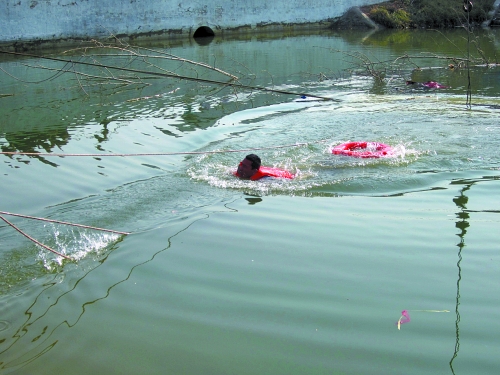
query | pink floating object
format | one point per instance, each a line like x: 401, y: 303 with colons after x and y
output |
x: 428, y: 84
x: 405, y: 318
x: 434, y: 85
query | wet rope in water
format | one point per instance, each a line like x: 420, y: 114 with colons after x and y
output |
x: 51, y: 221
x: 34, y: 240
x: 158, y: 153
x: 63, y: 223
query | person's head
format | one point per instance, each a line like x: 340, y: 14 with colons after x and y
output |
x: 249, y: 166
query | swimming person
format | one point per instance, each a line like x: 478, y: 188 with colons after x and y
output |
x: 251, y: 168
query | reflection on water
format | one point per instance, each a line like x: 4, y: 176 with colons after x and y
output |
x: 462, y: 224
x: 301, y: 275
x: 253, y: 200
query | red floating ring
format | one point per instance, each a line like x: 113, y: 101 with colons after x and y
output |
x: 363, y: 150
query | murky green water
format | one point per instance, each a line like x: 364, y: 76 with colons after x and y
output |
x: 223, y: 276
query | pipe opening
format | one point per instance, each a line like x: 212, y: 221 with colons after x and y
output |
x: 203, y: 32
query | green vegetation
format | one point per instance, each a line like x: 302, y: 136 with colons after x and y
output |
x: 399, y: 14
x: 398, y: 19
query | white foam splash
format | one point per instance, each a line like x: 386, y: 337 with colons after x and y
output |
x: 75, y: 243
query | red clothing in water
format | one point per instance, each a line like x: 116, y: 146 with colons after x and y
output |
x: 269, y: 172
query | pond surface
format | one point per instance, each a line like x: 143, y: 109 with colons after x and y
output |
x: 228, y: 276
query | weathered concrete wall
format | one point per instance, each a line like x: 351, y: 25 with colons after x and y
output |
x: 49, y: 20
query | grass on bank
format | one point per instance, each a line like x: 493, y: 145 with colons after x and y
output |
x: 400, y: 14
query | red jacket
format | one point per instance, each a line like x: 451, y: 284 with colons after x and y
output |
x: 269, y: 172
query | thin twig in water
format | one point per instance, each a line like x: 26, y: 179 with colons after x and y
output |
x: 78, y: 79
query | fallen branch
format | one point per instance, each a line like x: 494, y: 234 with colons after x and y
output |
x: 161, y: 55
x: 233, y: 84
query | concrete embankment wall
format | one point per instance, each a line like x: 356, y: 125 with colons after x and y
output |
x: 31, y: 21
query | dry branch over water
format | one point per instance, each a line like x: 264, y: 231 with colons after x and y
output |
x: 139, y: 65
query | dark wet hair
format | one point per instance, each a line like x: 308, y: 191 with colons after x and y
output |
x: 255, y: 160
